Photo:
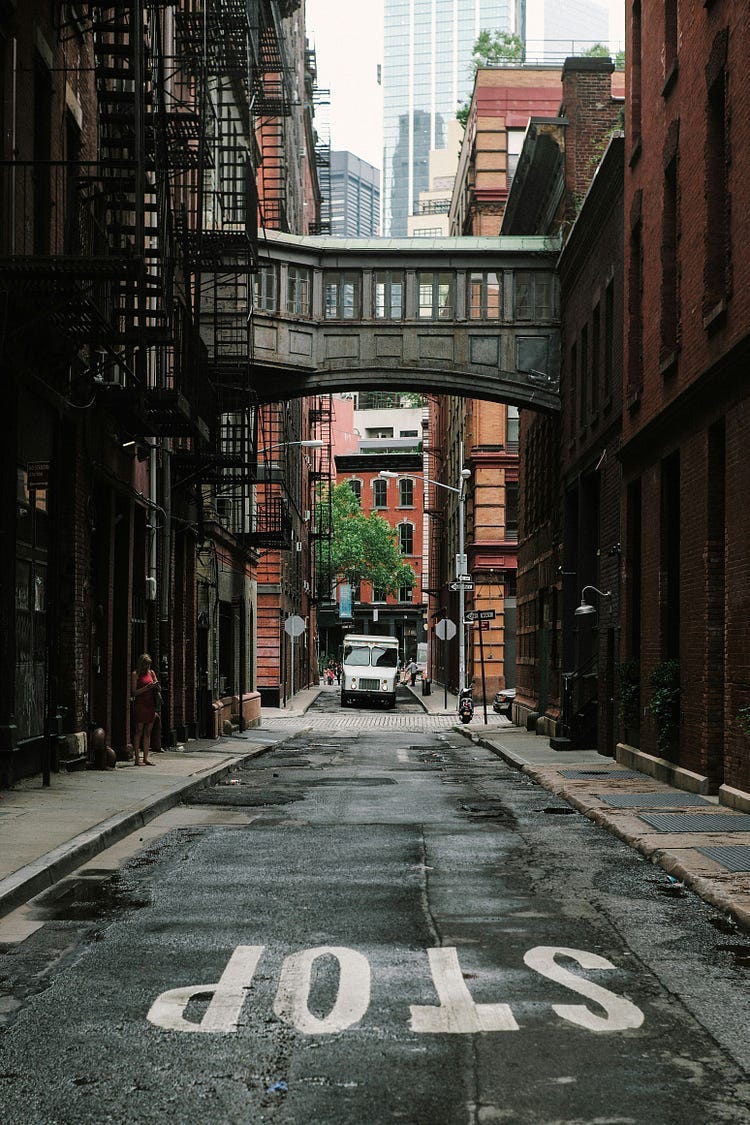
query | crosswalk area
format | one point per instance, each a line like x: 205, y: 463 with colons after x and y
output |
x: 370, y: 720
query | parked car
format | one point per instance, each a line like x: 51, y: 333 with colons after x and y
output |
x: 503, y: 702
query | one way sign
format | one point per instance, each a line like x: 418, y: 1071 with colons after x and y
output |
x: 479, y: 615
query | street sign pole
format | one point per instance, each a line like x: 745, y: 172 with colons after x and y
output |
x: 481, y: 664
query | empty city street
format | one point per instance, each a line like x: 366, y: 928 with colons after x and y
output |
x: 366, y: 924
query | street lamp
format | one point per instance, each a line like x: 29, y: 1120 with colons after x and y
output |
x: 309, y: 443
x: 460, y: 491
x: 585, y: 608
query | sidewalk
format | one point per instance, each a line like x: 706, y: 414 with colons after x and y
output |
x: 45, y: 833
x: 714, y: 864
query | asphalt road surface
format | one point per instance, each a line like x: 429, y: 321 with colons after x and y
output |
x: 366, y: 926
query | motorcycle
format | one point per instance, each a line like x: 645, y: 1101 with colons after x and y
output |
x: 465, y: 705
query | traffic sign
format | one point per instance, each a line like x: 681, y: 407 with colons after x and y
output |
x: 445, y: 629
x: 461, y: 585
x: 479, y: 615
x: 294, y: 625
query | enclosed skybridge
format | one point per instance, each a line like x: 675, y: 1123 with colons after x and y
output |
x: 475, y: 317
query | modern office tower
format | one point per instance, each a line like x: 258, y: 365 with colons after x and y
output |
x: 355, y: 197
x: 553, y: 31
x: 427, y: 73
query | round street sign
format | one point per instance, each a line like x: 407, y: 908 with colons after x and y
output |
x: 294, y: 625
x: 445, y: 629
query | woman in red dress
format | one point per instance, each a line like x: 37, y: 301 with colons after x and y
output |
x: 143, y: 682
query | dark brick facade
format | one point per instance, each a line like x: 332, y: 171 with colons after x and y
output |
x: 686, y: 425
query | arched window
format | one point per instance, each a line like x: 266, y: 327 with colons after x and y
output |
x: 406, y: 492
x: 380, y: 493
x: 406, y: 538
x: 356, y: 487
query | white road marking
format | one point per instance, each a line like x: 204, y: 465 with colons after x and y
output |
x: 223, y: 1013
x: 621, y: 1014
x: 402, y: 755
x: 352, y: 998
x: 457, y: 1013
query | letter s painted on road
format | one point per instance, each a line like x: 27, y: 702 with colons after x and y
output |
x: 621, y: 1014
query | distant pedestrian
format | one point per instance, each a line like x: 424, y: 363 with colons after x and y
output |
x: 143, y: 685
x: 413, y: 669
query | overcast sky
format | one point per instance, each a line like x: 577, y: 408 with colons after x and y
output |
x: 348, y: 39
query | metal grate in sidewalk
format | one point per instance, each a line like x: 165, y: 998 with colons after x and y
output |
x: 596, y: 774
x: 698, y: 822
x: 651, y: 800
x: 735, y: 857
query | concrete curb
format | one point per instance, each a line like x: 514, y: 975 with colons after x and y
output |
x: 54, y: 865
x: 709, y: 890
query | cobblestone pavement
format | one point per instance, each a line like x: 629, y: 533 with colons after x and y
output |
x: 364, y: 720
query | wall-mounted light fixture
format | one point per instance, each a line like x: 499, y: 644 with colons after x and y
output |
x: 585, y: 607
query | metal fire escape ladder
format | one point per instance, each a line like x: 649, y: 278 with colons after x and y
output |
x: 272, y: 104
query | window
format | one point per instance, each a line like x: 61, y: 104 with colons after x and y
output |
x: 388, y: 294
x: 534, y: 295
x: 717, y: 241
x: 342, y: 294
x: 584, y: 377
x: 356, y: 487
x: 435, y: 296
x: 485, y: 296
x: 379, y: 594
x: 596, y: 340
x: 635, y: 312
x: 406, y: 493
x: 405, y: 593
x: 511, y: 437
x: 380, y: 493
x: 511, y: 509
x: 264, y: 288
x: 298, y: 291
x: 406, y: 538
x: 670, y: 39
x: 609, y: 338
x: 669, y: 275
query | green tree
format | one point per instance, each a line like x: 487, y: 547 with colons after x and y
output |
x: 360, y: 547
x: 495, y: 48
x: 492, y: 48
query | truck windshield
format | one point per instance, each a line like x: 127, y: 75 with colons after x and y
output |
x: 362, y: 656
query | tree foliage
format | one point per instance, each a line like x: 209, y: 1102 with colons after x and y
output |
x: 362, y: 547
x: 493, y: 48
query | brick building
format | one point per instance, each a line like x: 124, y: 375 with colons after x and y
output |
x: 570, y: 476
x: 685, y: 429
x: 130, y: 437
x: 381, y: 431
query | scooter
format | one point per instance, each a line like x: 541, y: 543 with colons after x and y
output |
x: 465, y: 705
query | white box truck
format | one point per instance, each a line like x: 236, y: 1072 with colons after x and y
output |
x: 369, y: 667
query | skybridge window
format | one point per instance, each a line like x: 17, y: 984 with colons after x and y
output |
x: 485, y: 296
x: 435, y: 296
x: 534, y: 295
x: 388, y: 295
x: 265, y: 284
x: 343, y: 294
x: 298, y: 291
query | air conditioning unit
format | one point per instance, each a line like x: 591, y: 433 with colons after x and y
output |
x: 308, y: 513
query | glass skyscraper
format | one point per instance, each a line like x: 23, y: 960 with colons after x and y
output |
x: 427, y: 73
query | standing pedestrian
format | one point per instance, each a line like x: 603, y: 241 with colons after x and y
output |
x: 413, y: 669
x: 143, y: 684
